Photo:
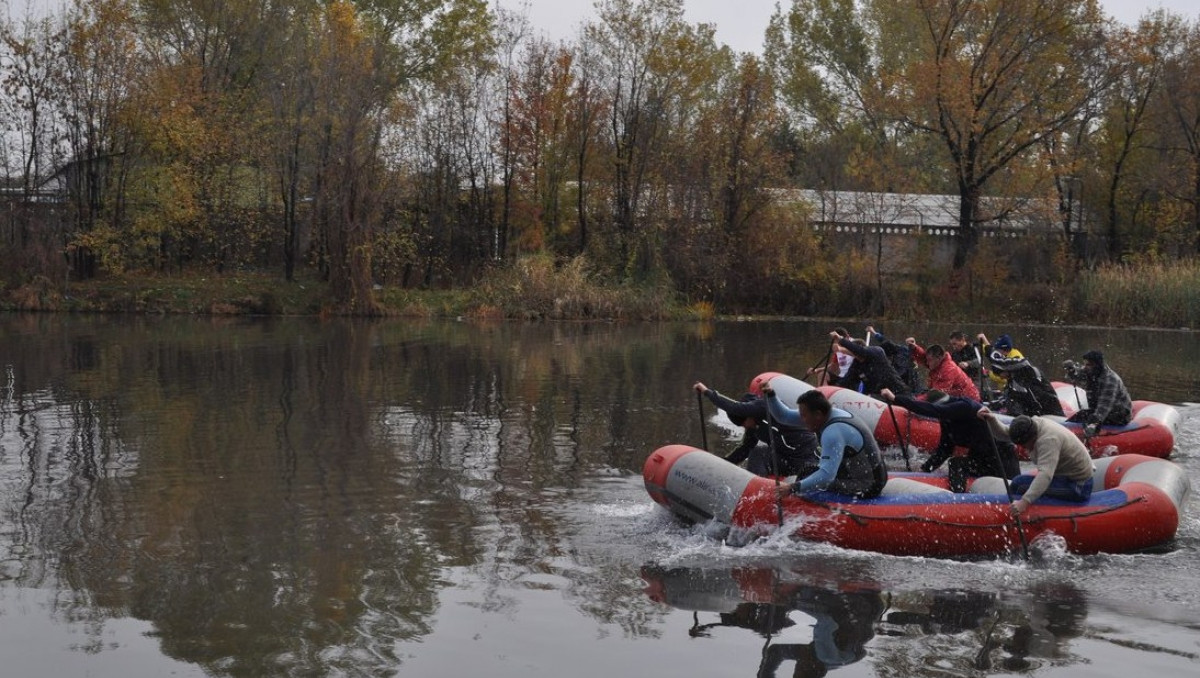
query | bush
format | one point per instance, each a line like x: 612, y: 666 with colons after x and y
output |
x: 537, y: 287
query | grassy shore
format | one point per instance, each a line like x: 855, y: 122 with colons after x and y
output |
x: 534, y: 289
x: 1155, y: 295
x: 1158, y: 295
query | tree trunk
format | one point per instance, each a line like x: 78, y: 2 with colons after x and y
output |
x: 580, y: 201
x: 968, y: 236
x: 1196, y: 204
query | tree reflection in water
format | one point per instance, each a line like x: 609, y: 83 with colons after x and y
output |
x: 334, y: 497
x: 949, y: 631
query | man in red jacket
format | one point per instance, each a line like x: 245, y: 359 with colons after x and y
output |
x: 944, y: 374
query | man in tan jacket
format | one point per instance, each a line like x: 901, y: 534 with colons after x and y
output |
x: 1064, y: 466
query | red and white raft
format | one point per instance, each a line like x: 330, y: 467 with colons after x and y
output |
x: 1151, y: 431
x: 1136, y: 506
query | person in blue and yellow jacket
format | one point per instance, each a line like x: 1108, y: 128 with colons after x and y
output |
x: 1027, y: 391
x: 1003, y: 345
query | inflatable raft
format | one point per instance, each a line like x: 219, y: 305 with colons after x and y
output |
x: 1136, y: 506
x: 1151, y: 432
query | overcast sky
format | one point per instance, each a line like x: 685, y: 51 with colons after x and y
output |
x: 741, y: 23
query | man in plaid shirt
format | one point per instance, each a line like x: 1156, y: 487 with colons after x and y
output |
x: 1107, y: 397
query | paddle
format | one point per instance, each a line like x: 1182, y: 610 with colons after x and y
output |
x: 1007, y: 489
x: 903, y: 442
x: 1087, y: 439
x: 983, y: 659
x: 1078, y: 400
x: 762, y: 663
x: 982, y: 376
x: 703, y: 431
x: 825, y: 362
x: 767, y: 393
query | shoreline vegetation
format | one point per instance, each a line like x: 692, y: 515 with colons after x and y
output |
x: 1159, y: 295
x: 439, y: 159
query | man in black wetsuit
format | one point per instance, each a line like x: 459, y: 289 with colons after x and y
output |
x: 795, y: 447
x: 961, y: 427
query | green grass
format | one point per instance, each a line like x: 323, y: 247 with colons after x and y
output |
x: 1155, y: 295
x: 232, y: 294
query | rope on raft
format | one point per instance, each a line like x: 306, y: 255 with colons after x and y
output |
x: 864, y: 520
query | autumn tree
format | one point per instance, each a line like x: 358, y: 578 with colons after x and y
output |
x: 535, y: 145
x: 989, y: 79
x: 93, y: 92
x: 402, y: 44
x: 586, y: 110
x: 447, y: 150
x: 1177, y: 121
x: 652, y: 66
x: 285, y: 124
x: 208, y: 55
x: 31, y: 53
x: 1140, y: 55
x: 352, y: 85
x: 726, y: 167
x: 820, y: 55
x: 830, y: 60
x: 992, y: 79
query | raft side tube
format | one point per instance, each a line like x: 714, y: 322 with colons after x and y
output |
x: 866, y: 409
x: 695, y: 484
x: 991, y: 485
x: 787, y: 388
x: 908, y: 487
x: 1144, y: 410
x: 1159, y: 474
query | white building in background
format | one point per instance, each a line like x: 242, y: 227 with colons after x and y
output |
x: 921, y: 214
x: 884, y: 224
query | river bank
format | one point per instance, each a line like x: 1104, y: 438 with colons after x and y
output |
x: 1156, y: 296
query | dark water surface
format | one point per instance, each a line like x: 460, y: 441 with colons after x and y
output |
x: 296, y: 497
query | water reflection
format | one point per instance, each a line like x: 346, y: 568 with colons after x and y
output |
x: 298, y: 497
x: 286, y: 496
x: 816, y: 621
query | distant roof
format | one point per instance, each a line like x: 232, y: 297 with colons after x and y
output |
x: 926, y: 211
x: 11, y: 194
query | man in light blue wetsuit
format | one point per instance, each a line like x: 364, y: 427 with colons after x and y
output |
x: 850, y: 459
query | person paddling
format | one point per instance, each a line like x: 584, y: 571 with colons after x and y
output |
x: 1065, y: 468
x: 944, y: 374
x: 960, y: 428
x: 1027, y: 390
x: 794, y: 447
x: 850, y: 460
x: 871, y: 366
